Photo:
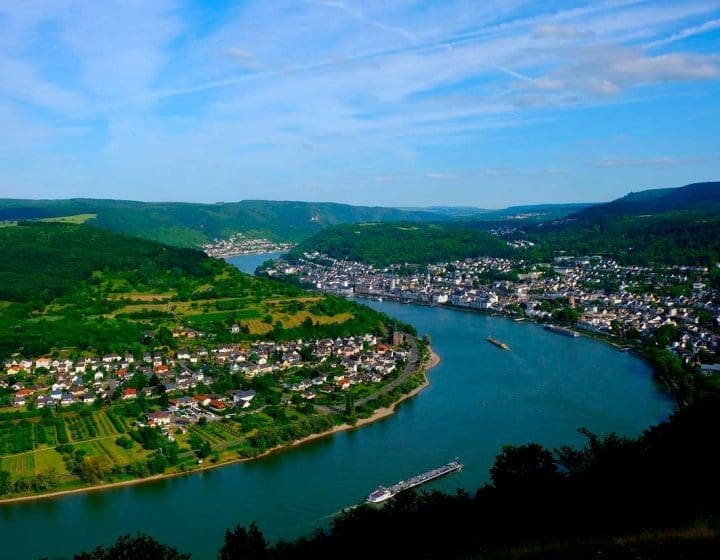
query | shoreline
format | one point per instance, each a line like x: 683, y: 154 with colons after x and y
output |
x: 378, y: 414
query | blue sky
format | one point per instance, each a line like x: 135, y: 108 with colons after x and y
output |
x: 389, y: 103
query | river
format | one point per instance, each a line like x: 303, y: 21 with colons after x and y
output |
x: 480, y: 398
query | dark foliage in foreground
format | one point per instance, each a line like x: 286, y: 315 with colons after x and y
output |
x: 615, y: 498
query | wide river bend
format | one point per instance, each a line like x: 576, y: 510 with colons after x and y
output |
x: 480, y: 398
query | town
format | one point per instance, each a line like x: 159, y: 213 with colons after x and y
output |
x: 239, y: 244
x: 592, y: 294
x: 317, y: 370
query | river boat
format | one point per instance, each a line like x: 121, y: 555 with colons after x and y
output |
x: 383, y: 493
x: 498, y: 343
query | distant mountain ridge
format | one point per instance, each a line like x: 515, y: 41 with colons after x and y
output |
x: 189, y: 224
x: 677, y: 226
x: 531, y: 212
x: 696, y: 197
x: 662, y: 226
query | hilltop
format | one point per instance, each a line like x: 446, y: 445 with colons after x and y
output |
x: 661, y: 226
x: 702, y: 198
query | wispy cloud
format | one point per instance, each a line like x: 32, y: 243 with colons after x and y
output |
x: 685, y: 33
x: 555, y: 31
x: 151, y: 93
x: 441, y: 176
x: 651, y: 161
x: 358, y: 16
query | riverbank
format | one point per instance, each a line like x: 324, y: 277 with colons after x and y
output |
x: 669, y: 385
x: 378, y: 414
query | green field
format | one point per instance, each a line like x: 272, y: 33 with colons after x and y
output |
x: 74, y: 219
x: 47, y: 459
x: 28, y: 446
x: 19, y: 465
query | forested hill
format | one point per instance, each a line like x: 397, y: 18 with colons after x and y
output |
x: 190, y: 225
x: 664, y: 226
x: 678, y: 226
x: 44, y: 261
x: 701, y: 198
x: 79, y: 287
x: 382, y: 244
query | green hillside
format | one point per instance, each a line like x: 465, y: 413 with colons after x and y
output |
x: 701, y: 198
x: 382, y: 244
x: 81, y: 287
x: 672, y: 238
x: 661, y: 226
x: 190, y: 225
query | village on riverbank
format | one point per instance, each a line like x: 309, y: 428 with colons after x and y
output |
x: 595, y: 295
x: 240, y: 244
x: 116, y: 418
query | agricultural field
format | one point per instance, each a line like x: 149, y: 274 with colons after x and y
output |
x: 74, y: 219
x: 19, y: 465
x: 106, y: 448
x: 295, y: 320
x: 257, y: 326
x: 48, y: 459
x: 27, y: 447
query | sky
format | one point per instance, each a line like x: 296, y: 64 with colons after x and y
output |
x: 391, y: 103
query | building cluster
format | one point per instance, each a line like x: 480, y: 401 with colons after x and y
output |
x: 239, y: 244
x: 608, y: 298
x: 183, y: 373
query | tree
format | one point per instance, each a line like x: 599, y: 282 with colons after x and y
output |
x: 139, y: 547
x: 205, y: 450
x: 306, y: 353
x: 93, y: 469
x: 350, y: 406
x: 523, y: 466
x: 5, y: 483
x: 244, y: 544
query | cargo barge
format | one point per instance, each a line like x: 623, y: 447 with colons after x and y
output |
x: 383, y: 493
x: 497, y: 343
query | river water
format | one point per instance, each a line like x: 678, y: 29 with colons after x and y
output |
x: 480, y: 398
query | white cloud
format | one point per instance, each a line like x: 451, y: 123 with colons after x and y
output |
x: 604, y: 70
x: 441, y: 176
x: 556, y: 31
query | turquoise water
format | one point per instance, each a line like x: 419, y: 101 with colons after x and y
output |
x: 479, y: 399
x: 248, y: 263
